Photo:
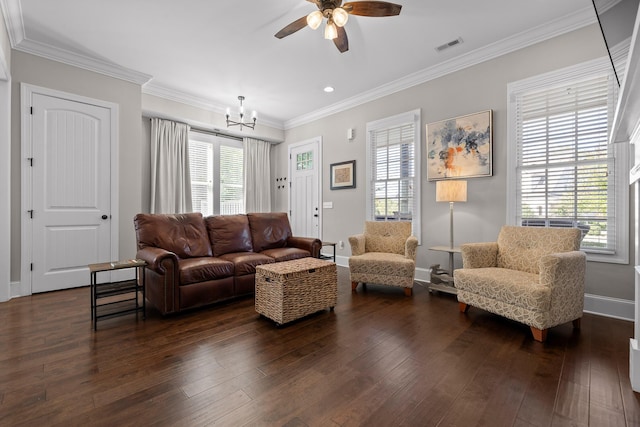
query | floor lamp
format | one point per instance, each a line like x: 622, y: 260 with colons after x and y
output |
x: 451, y: 191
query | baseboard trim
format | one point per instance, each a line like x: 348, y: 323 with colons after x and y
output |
x: 593, y: 304
x: 15, y: 290
x: 609, y: 307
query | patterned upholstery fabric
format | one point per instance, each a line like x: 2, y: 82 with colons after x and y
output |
x: 384, y: 254
x: 520, y: 248
x: 531, y: 275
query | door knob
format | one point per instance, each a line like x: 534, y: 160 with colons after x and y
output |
x: 316, y: 215
x: 105, y: 217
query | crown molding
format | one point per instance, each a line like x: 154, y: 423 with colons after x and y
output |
x: 538, y: 34
x: 81, y: 61
x: 171, y: 94
x: 12, y: 11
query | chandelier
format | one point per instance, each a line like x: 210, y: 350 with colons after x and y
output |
x: 251, y: 124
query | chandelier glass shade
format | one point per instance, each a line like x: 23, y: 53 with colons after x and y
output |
x: 250, y: 124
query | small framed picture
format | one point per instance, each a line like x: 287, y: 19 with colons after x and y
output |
x: 343, y: 175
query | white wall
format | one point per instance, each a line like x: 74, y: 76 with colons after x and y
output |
x: 26, y: 68
x: 474, y: 89
x: 5, y: 161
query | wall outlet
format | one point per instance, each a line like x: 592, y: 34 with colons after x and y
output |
x: 340, y: 244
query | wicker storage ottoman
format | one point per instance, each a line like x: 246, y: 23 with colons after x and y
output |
x: 289, y: 290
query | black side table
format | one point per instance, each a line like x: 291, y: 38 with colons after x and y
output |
x: 120, y: 297
x: 332, y: 258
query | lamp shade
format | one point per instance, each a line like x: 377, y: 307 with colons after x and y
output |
x: 451, y: 191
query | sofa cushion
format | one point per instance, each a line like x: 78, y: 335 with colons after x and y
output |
x: 183, y: 234
x: 203, y: 269
x: 514, y: 287
x: 245, y: 262
x: 269, y: 230
x: 286, y: 254
x: 229, y: 234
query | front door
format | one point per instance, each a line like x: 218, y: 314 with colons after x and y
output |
x: 70, y: 172
x: 305, y: 166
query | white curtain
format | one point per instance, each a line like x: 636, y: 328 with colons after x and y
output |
x: 170, y: 176
x: 257, y: 175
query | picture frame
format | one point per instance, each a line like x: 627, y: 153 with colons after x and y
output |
x: 343, y: 175
x: 461, y: 147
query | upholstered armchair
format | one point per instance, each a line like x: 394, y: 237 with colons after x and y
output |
x: 384, y: 254
x: 531, y: 275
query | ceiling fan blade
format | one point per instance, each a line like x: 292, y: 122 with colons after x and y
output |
x: 372, y: 8
x: 341, y: 42
x: 296, y: 25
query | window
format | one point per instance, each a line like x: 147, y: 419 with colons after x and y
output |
x: 563, y: 170
x: 217, y: 176
x: 393, y: 178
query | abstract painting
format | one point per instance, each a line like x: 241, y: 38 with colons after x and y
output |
x: 460, y: 147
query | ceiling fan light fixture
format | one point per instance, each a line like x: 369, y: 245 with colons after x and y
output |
x: 340, y: 16
x: 314, y: 19
x: 330, y: 31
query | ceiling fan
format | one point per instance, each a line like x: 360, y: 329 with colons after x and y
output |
x: 337, y: 15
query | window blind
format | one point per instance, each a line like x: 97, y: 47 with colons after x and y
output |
x: 217, y: 174
x: 231, y: 180
x: 565, y: 165
x: 393, y: 174
x: 201, y: 164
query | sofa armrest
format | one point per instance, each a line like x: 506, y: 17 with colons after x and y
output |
x: 310, y: 244
x: 411, y: 247
x: 564, y: 274
x: 155, y: 257
x: 357, y: 244
x: 479, y: 255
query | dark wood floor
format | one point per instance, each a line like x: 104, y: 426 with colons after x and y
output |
x: 380, y: 359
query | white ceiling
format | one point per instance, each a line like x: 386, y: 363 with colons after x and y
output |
x: 207, y: 52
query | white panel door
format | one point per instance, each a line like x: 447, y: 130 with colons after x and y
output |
x: 71, y: 146
x: 305, y: 165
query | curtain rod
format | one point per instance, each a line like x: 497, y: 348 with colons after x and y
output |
x: 203, y: 130
x: 215, y: 133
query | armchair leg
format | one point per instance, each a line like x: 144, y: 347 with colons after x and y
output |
x: 463, y: 306
x: 354, y: 285
x: 576, y: 323
x: 408, y: 291
x: 539, y: 335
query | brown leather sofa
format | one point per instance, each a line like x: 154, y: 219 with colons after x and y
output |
x: 195, y: 261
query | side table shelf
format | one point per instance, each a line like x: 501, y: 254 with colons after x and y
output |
x: 118, y: 298
x: 325, y: 257
x: 442, y: 280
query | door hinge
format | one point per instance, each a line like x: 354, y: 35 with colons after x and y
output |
x: 31, y: 267
x: 30, y: 213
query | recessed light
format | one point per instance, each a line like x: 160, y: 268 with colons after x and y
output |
x: 328, y: 89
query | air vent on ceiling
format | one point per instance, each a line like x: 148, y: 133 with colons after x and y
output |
x: 449, y: 44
